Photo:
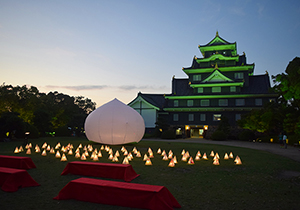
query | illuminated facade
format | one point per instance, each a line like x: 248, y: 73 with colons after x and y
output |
x: 221, y: 83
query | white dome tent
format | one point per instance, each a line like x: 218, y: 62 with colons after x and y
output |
x: 114, y: 123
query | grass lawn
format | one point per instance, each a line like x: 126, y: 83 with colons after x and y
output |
x: 259, y: 183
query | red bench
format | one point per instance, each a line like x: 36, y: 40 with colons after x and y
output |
x: 16, y: 162
x: 12, y: 179
x: 119, y: 193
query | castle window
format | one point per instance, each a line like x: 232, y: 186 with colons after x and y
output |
x: 200, y: 90
x: 239, y: 75
x: 190, y: 103
x: 217, y: 117
x: 216, y: 89
x: 223, y: 102
x: 240, y: 102
x: 202, y: 117
x: 232, y: 89
x: 191, y: 117
x: 204, y: 102
x: 237, y: 117
x: 175, y: 117
x: 258, y: 102
x: 175, y: 103
x: 196, y: 77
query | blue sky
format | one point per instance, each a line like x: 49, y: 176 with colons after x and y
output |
x: 115, y: 48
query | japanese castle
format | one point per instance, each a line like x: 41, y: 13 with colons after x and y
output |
x: 221, y: 83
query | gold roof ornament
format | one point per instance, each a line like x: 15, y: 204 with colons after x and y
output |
x: 217, y: 33
x: 216, y: 66
x: 267, y: 73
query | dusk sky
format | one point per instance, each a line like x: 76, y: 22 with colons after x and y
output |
x: 113, y: 49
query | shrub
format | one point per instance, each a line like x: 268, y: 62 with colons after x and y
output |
x: 246, y: 135
x: 219, y: 136
x: 168, y: 134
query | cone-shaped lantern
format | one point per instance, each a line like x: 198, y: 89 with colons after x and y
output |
x: 99, y: 154
x: 197, y: 157
x: 44, y: 153
x: 175, y: 159
x: 48, y: 148
x: 57, y: 155
x: 16, y: 150
x: 171, y: 164
x: 212, y: 154
x: 44, y: 145
x: 148, y: 162
x: 115, y: 159
x: 238, y: 161
x: 204, y: 156
x: 28, y: 152
x: 191, y: 161
x: 145, y: 157
x: 159, y: 151
x: 183, y: 152
x: 77, y: 155
x: 138, y: 154
x: 110, y: 157
x: 230, y: 155
x: 163, y: 153
x: 226, y: 157
x: 70, y: 152
x: 83, y: 157
x: 125, y: 161
x: 21, y: 149
x: 165, y: 157
x: 52, y: 151
x: 95, y: 158
x: 216, y: 162
x: 63, y: 158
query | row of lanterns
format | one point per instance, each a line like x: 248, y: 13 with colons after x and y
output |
x: 127, y: 155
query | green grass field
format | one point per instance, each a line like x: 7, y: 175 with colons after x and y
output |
x: 259, y: 183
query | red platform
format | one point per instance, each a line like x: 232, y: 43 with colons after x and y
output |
x: 104, y: 170
x: 11, y: 179
x: 119, y: 193
x: 16, y: 162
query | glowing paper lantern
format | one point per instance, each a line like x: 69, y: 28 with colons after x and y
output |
x: 204, y: 156
x: 163, y: 153
x: 16, y: 150
x: 115, y: 159
x: 63, y: 158
x: 99, y: 154
x: 148, y: 162
x: 57, y: 155
x: 197, y: 157
x: 21, y: 149
x: 183, y: 152
x: 125, y: 161
x: 198, y: 154
x: 216, y: 162
x: 165, y: 157
x: 145, y: 157
x: 83, y: 157
x: 159, y: 151
x: 191, y: 161
x: 138, y: 154
x: 212, y: 154
x: 125, y: 125
x: 175, y: 159
x: 110, y: 157
x: 77, y: 155
x: 226, y: 157
x: 80, y: 146
x: 44, y: 153
x: 28, y: 152
x: 48, y: 148
x: 171, y: 164
x: 238, y: 160
x: 95, y: 158
x: 184, y: 158
x: 230, y: 155
x: 44, y: 145
x: 70, y: 152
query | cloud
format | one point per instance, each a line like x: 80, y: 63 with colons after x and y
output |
x: 79, y: 87
x: 102, y: 87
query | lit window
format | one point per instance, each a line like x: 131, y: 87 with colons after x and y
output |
x: 258, y: 102
x: 202, y: 117
x: 200, y: 90
x: 178, y: 131
x: 196, y: 77
x: 217, y: 117
x: 240, y: 102
x: 175, y: 117
x: 191, y: 117
x: 216, y: 89
x: 232, y: 89
x: 204, y: 102
x: 175, y: 103
x: 237, y: 117
x: 190, y: 103
x: 223, y: 102
x: 239, y: 75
